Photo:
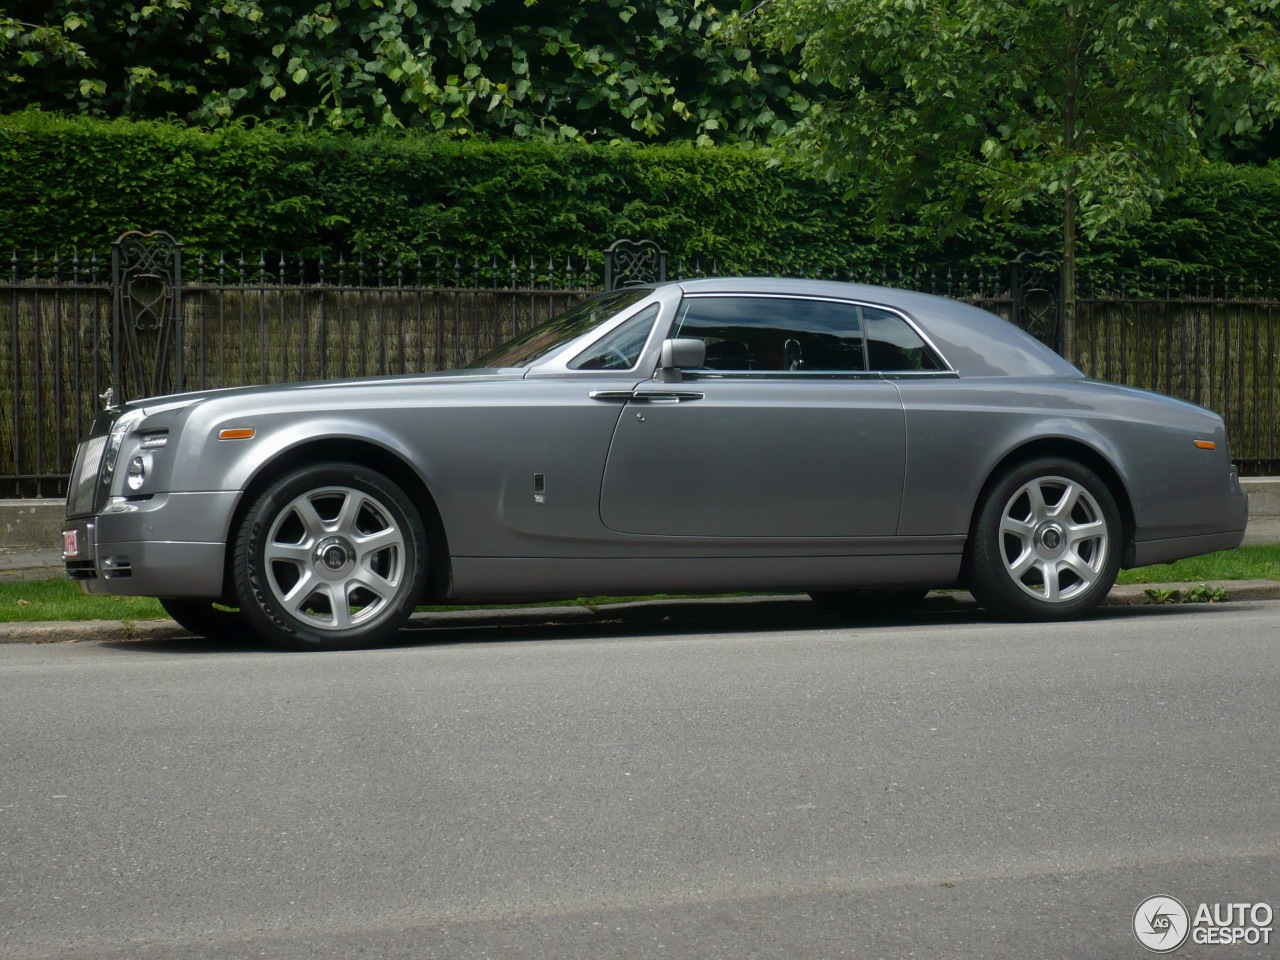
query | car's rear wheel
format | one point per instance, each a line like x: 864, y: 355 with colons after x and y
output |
x: 1046, y: 543
x: 205, y: 619
x: 331, y: 556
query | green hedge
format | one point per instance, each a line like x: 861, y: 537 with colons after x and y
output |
x: 79, y: 182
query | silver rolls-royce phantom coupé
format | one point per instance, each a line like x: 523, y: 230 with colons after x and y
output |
x: 710, y: 435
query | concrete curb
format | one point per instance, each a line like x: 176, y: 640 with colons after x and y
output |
x: 100, y: 631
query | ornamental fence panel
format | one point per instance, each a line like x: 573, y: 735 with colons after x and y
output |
x: 70, y: 335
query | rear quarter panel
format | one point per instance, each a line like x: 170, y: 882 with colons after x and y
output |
x: 960, y: 432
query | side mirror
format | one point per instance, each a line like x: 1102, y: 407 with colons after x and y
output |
x: 683, y: 354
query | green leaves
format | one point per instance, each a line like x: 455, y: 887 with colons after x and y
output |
x: 275, y: 187
x: 1097, y: 106
x: 591, y: 69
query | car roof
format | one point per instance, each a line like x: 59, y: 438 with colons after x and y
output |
x: 974, y: 341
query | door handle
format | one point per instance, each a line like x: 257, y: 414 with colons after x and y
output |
x: 666, y: 397
x: 628, y: 396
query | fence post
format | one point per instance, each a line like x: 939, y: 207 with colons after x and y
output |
x: 634, y: 261
x: 146, y: 306
x: 1035, y: 289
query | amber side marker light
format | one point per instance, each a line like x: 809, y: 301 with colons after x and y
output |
x: 246, y: 433
x: 1206, y: 445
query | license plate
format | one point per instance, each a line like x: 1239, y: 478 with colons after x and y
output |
x: 70, y: 544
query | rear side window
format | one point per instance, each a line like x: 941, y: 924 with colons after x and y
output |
x: 893, y: 346
x: 775, y: 334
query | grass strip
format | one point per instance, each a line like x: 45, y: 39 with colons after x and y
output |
x: 59, y: 598
x: 1243, y: 563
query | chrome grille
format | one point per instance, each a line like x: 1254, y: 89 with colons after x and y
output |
x: 84, y: 477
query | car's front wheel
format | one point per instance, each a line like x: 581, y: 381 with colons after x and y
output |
x: 331, y: 556
x: 1046, y: 542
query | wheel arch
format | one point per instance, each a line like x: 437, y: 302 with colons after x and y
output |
x: 362, y: 453
x: 1069, y: 448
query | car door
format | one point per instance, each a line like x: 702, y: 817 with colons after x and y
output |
x: 783, y: 434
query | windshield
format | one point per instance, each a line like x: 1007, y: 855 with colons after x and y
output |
x: 526, y: 350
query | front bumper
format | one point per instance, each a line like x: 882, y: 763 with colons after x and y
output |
x: 171, y: 545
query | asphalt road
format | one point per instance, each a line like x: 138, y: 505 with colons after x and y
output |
x: 761, y: 782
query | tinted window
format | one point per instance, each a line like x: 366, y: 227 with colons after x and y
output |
x: 892, y: 346
x: 550, y: 336
x: 773, y: 334
x: 621, y: 349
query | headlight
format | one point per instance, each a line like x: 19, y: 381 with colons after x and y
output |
x: 136, y: 475
x: 119, y: 430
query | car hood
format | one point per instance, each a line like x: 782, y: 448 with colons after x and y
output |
x: 159, y: 404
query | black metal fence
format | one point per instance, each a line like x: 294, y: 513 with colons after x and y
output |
x: 242, y: 321
x: 1214, y: 345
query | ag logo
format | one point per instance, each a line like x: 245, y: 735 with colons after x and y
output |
x: 1161, y: 924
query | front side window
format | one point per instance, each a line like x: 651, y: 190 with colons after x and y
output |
x: 775, y: 334
x: 546, y: 339
x: 621, y: 349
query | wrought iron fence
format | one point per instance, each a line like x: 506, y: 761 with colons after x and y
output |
x: 240, y: 321
x: 1213, y: 345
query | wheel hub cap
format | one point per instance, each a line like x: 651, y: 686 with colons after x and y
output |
x: 335, y: 558
x: 1050, y: 539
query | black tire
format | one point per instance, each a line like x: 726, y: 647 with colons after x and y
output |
x: 326, y: 533
x: 1046, y: 542
x: 203, y: 619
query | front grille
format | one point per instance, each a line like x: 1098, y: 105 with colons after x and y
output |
x: 84, y: 477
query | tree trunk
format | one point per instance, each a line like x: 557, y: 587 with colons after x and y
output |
x: 1070, y: 349
x: 1069, y: 200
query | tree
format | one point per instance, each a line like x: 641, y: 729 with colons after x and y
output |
x: 1095, y: 106
x: 543, y: 69
x: 28, y: 45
